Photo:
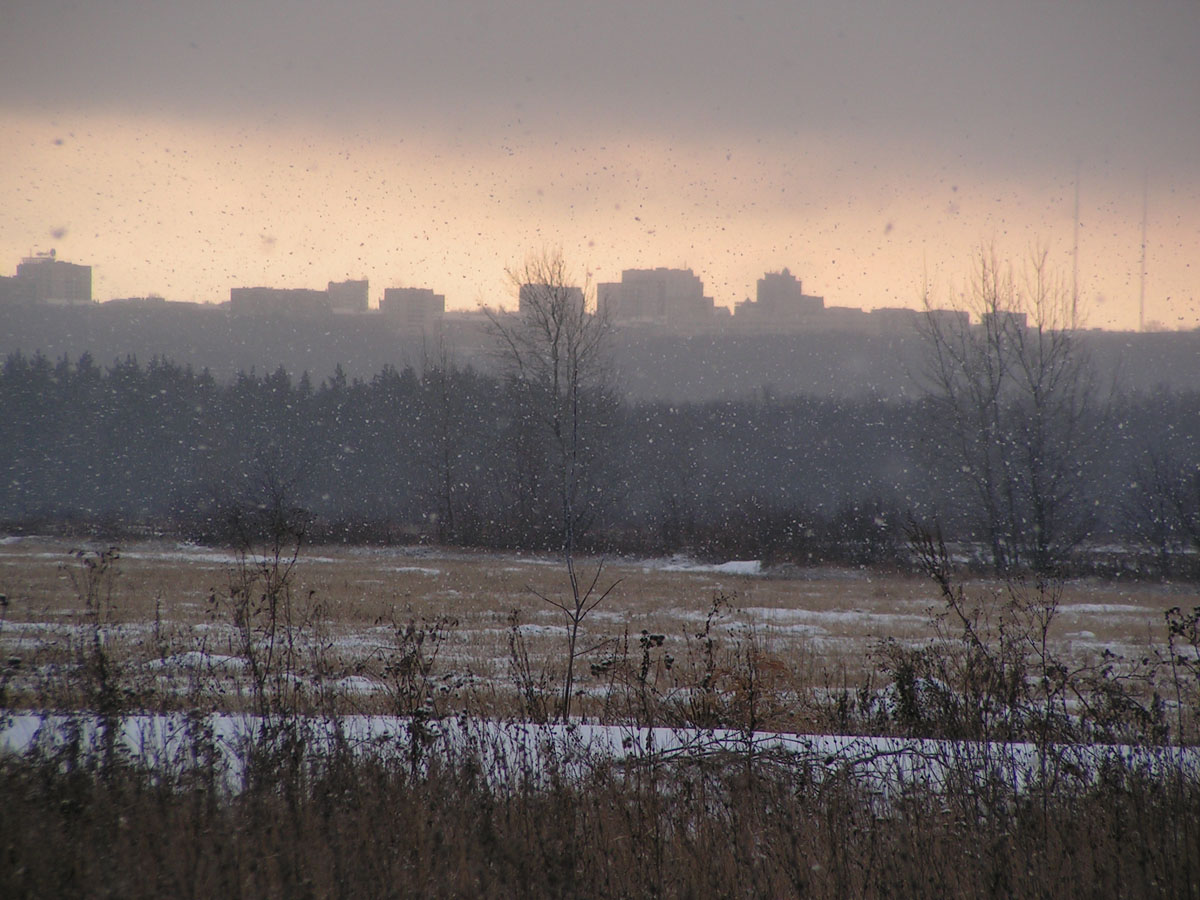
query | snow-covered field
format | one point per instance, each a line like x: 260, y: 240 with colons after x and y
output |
x: 473, y: 617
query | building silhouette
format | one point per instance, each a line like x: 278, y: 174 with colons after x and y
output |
x: 338, y: 297
x: 780, y: 300
x: 278, y: 302
x: 413, y: 308
x: 529, y: 295
x: 348, y: 296
x: 670, y: 297
x: 45, y: 279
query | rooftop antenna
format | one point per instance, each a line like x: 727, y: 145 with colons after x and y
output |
x: 1142, y: 289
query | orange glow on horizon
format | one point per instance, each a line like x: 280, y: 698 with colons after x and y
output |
x: 191, y: 209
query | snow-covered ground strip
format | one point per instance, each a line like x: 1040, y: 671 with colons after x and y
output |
x: 194, y: 553
x: 685, y: 564
x: 416, y: 570
x: 511, y: 747
x: 1104, y: 609
x: 189, y: 553
x: 777, y: 617
x: 198, y: 660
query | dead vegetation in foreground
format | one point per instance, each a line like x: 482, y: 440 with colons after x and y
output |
x: 341, y: 828
x: 278, y: 637
x: 171, y: 622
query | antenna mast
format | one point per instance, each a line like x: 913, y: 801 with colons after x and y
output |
x: 1142, y: 291
x: 1075, y: 257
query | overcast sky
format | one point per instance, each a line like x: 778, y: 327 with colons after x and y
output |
x: 186, y: 148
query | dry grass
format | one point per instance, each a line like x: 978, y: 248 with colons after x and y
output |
x: 815, y: 631
x: 369, y: 830
x: 436, y: 627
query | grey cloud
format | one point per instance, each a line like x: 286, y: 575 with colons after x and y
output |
x: 1012, y: 83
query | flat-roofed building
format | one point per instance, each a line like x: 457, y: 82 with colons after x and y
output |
x: 16, y: 291
x: 50, y: 280
x: 780, y: 296
x: 780, y: 302
x: 348, y: 296
x: 946, y: 319
x: 268, y: 301
x: 1004, y: 321
x: 529, y: 295
x: 673, y: 297
x: 413, y: 308
x: 897, y: 320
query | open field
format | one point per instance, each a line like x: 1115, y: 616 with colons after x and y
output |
x: 485, y: 638
x: 1016, y: 769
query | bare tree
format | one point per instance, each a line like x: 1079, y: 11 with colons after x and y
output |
x: 1149, y: 510
x: 1163, y: 509
x: 556, y: 352
x: 447, y: 419
x: 1018, y: 406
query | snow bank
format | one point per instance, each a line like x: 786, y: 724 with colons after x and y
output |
x: 507, y: 747
x: 684, y: 564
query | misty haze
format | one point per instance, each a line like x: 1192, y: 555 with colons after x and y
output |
x: 686, y: 449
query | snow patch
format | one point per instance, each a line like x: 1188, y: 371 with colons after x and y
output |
x: 195, y: 659
x: 1119, y: 609
x: 684, y: 564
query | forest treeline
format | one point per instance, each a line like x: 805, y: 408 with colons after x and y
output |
x: 451, y: 455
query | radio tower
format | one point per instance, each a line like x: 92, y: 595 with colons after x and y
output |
x: 1142, y: 289
x: 1075, y: 258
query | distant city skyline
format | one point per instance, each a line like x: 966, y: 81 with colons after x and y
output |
x: 872, y: 148
x: 660, y: 298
